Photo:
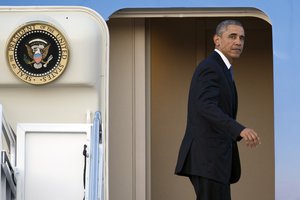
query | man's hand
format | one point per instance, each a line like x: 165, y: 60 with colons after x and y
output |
x: 250, y: 136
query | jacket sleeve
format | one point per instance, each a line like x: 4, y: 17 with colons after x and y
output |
x: 208, y: 88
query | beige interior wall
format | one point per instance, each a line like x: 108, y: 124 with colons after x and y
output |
x: 127, y: 146
x: 176, y: 46
x: 120, y: 111
x: 173, y: 58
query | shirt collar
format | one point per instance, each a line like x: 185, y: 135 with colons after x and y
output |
x: 225, y: 60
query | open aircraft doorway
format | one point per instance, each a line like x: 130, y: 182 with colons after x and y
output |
x: 153, y: 55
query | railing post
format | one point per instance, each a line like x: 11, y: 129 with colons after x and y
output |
x: 96, y: 158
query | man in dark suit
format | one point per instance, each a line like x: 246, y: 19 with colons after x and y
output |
x: 209, y: 153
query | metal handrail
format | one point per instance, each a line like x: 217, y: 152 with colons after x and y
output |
x: 10, y: 138
x: 7, y: 147
x: 9, y: 173
x: 96, y: 159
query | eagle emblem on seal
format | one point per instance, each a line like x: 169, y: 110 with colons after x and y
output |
x: 37, y: 50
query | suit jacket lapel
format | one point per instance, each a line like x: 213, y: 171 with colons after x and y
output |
x: 230, y: 83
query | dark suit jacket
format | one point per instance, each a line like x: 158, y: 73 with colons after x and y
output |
x: 209, y: 147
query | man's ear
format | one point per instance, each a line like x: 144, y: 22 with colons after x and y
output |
x: 216, y: 40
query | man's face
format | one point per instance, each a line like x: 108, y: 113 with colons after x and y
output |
x: 231, y: 42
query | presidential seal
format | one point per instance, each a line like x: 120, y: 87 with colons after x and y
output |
x: 37, y: 53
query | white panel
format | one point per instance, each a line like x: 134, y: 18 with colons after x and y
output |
x: 50, y: 161
x: 54, y: 166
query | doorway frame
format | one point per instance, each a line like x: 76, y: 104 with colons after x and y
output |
x: 142, y: 81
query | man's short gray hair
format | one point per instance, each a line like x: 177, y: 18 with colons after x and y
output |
x: 222, y: 27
